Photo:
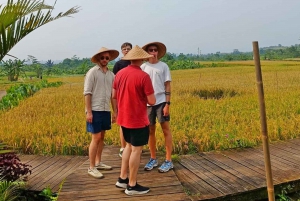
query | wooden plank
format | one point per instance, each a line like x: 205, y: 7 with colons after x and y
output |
x: 286, y: 151
x: 69, y: 169
x: 194, y: 186
x: 295, y: 141
x: 53, y: 172
x: 26, y: 159
x: 235, y: 169
x: 199, y: 170
x: 117, y: 194
x: 252, y: 157
x: 231, y: 181
x: 277, y: 162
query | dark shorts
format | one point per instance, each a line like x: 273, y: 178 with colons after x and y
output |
x: 157, y: 111
x: 101, y: 121
x: 136, y: 136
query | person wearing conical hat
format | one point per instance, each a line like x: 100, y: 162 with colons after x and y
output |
x: 133, y: 90
x: 161, y: 80
x: 98, y: 97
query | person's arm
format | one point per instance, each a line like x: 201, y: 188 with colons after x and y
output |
x: 87, y: 92
x: 114, y: 105
x: 166, y: 110
x: 88, y: 106
x: 151, y: 99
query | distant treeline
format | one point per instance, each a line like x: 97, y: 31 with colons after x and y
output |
x: 270, y: 53
x: 75, y: 65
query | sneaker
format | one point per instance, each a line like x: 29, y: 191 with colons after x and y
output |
x: 151, y: 164
x: 166, y: 166
x: 102, y: 166
x: 122, y: 183
x: 121, y: 152
x: 95, y: 173
x: 137, y: 189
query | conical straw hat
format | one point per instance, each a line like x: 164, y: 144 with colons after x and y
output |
x: 112, y: 53
x: 136, y: 53
x: 162, y: 49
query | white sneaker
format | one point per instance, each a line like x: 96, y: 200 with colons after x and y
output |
x: 95, y: 173
x: 102, y: 166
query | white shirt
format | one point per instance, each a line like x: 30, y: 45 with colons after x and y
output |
x: 159, y: 74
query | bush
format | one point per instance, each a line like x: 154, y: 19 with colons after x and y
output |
x: 11, y: 168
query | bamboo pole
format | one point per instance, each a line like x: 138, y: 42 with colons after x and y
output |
x: 263, y: 121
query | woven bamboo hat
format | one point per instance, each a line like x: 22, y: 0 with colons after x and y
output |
x: 112, y: 53
x: 162, y: 49
x: 136, y: 53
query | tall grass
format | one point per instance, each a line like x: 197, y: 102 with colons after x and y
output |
x: 53, y: 120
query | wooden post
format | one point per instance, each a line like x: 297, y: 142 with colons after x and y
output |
x: 263, y: 121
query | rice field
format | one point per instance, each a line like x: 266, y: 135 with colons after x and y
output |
x: 212, y: 109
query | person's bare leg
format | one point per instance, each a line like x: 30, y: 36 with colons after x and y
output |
x: 123, y: 142
x: 93, y: 148
x: 125, y: 161
x: 100, y: 148
x: 134, y: 163
x: 168, y: 139
x: 152, y: 141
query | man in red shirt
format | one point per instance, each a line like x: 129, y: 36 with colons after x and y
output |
x: 132, y: 88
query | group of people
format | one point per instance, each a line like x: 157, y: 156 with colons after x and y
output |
x: 139, y: 92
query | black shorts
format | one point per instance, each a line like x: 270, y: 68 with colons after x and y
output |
x: 157, y: 111
x: 136, y: 136
x: 101, y: 122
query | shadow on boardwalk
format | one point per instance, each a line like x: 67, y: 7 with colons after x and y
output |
x: 227, y: 175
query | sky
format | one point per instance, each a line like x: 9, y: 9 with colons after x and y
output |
x: 184, y: 26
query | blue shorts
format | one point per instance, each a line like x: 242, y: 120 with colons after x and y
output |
x: 101, y: 121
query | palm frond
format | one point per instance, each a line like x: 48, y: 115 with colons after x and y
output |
x: 19, y: 19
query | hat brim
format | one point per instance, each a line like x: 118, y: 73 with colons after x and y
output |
x: 113, y: 54
x: 139, y: 58
x: 162, y: 49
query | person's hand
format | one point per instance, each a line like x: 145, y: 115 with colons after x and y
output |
x: 166, y: 111
x: 114, y: 117
x: 89, y: 117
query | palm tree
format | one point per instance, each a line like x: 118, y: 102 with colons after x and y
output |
x: 19, y: 19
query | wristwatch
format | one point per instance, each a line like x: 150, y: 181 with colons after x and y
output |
x: 168, y: 103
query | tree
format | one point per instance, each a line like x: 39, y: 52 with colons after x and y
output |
x: 36, y: 65
x: 49, y: 63
x: 13, y: 69
x: 19, y: 19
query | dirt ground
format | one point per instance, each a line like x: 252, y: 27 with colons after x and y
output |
x: 2, y: 93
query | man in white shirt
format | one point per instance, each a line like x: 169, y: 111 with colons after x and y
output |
x: 161, y: 80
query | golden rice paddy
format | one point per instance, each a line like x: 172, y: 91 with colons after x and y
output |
x: 53, y: 120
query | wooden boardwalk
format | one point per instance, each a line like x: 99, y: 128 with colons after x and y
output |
x: 227, y: 175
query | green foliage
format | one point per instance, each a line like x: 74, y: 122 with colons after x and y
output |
x: 283, y: 195
x: 48, y: 195
x: 4, y: 148
x: 10, y: 190
x: 12, y: 69
x: 18, y: 92
x: 21, y: 17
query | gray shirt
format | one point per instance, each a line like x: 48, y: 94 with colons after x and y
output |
x: 99, y: 85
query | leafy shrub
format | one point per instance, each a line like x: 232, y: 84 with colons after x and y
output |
x: 11, y: 168
x: 10, y: 190
x: 19, y: 92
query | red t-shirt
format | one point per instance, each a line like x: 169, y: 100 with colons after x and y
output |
x: 132, y: 87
